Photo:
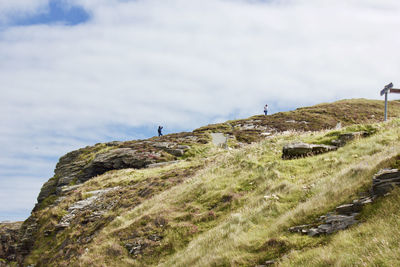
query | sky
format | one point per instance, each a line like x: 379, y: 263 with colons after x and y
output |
x: 77, y: 72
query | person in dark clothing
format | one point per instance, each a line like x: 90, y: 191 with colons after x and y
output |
x: 266, y: 109
x: 159, y: 130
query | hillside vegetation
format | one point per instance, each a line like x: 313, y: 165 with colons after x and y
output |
x: 230, y: 207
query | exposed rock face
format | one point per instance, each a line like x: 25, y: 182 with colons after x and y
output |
x: 83, y: 164
x: 90, y: 204
x: 297, y: 150
x: 120, y: 158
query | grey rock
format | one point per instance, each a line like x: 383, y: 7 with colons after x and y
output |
x: 384, y: 181
x: 324, y: 228
x: 219, y: 139
x: 383, y: 189
x: 386, y: 174
x: 340, y: 222
x: 349, y: 208
x: 313, y: 232
x: 88, y: 204
x: 296, y: 150
x: 344, y: 138
x: 364, y: 201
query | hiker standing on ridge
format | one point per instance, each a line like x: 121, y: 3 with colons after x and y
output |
x: 266, y: 109
x: 159, y: 130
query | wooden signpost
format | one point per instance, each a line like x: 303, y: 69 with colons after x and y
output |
x: 388, y: 89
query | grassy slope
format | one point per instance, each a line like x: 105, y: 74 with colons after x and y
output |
x: 211, y: 211
x: 220, y: 216
x: 322, y: 116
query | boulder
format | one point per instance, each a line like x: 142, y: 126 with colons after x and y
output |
x: 296, y: 150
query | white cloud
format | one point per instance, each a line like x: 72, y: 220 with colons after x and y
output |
x: 184, y: 63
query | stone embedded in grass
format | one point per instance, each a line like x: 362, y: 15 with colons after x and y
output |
x: 349, y: 208
x: 298, y: 150
x: 384, y: 181
x: 344, y: 138
x: 385, y: 174
x: 332, y: 224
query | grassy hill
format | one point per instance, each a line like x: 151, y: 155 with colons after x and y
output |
x: 233, y: 207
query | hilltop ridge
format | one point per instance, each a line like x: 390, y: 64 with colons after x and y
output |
x: 162, y: 201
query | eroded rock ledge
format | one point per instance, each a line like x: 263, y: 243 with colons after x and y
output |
x: 81, y: 165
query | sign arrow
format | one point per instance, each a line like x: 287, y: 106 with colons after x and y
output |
x: 387, y: 88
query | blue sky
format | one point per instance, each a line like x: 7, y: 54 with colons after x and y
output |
x: 55, y: 12
x: 77, y: 72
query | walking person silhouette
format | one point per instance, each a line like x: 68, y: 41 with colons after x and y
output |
x: 160, y: 130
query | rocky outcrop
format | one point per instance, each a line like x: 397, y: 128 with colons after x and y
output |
x: 120, y: 158
x: 298, y: 150
x: 81, y: 165
x: 346, y: 215
x: 8, y: 240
